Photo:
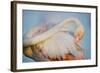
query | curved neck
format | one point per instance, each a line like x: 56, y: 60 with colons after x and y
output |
x: 54, y: 30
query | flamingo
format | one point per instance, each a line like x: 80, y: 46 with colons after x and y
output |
x: 55, y: 44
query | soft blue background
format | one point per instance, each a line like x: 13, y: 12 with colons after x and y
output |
x: 33, y: 18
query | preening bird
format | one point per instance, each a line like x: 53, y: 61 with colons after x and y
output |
x: 55, y: 44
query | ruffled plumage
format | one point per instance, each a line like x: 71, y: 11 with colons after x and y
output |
x: 57, y: 43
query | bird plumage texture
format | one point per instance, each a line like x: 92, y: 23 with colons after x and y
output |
x: 57, y: 43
